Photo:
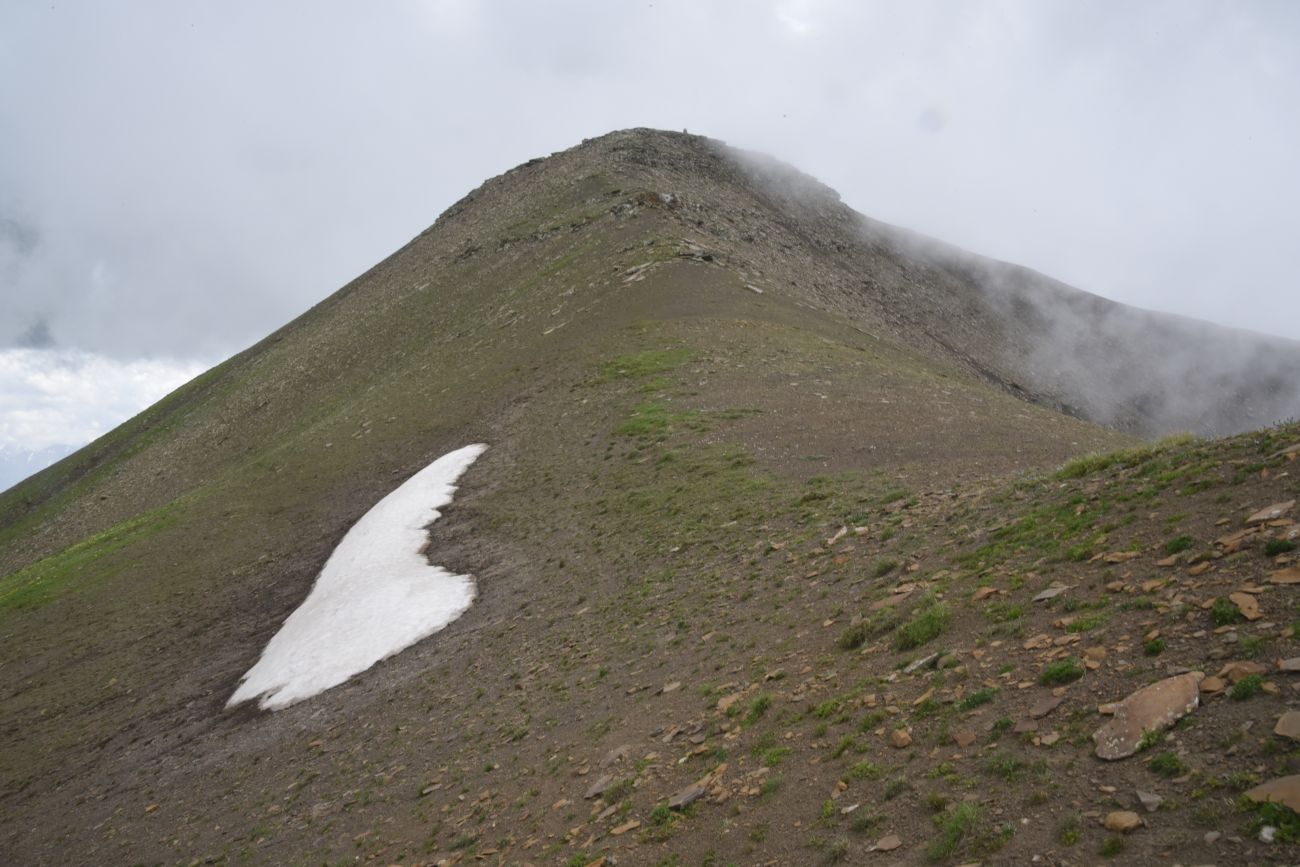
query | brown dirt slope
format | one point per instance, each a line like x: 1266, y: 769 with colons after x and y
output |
x: 672, y: 454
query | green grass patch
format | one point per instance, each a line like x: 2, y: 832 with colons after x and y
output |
x: 1168, y: 764
x: 926, y: 624
x: 1178, y: 543
x: 636, y: 365
x: 71, y: 568
x: 1248, y: 687
x: 1061, y: 672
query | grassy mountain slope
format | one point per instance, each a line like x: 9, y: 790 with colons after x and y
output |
x: 670, y: 452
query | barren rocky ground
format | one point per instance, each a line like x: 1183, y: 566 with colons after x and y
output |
x: 774, y: 567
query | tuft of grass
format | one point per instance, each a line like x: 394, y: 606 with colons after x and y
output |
x: 926, y: 625
x: 1168, y: 764
x: 1179, y: 543
x: 1248, y: 687
x: 1110, y: 847
x: 1154, y: 647
x: 853, y: 637
x: 757, y: 708
x: 954, y: 826
x: 1061, y: 672
x: 1223, y: 613
x: 975, y: 699
x: 1273, y: 547
x: 883, y: 568
x: 1069, y: 830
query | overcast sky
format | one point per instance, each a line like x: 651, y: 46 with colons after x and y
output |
x: 178, y: 179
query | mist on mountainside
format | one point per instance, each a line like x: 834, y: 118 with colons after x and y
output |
x: 1142, y: 371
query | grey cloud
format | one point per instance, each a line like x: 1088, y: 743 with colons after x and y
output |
x: 199, y: 174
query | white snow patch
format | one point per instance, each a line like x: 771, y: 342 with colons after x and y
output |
x: 376, y: 596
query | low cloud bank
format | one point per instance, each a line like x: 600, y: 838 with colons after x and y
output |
x: 53, y: 401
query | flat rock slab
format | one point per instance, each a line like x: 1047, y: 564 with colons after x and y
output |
x: 1288, y: 725
x: 1246, y: 604
x: 1151, y: 708
x: 1286, y: 576
x: 1283, y: 790
x: 1271, y: 513
x: 1045, y: 706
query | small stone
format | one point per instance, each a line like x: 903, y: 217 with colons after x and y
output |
x: 1290, y: 666
x: 963, y: 738
x: 1050, y: 739
x: 1150, y: 801
x: 1267, y: 833
x: 1200, y: 568
x: 1212, y: 837
x: 1122, y: 821
x: 900, y: 738
x: 1120, y: 556
x: 1213, y: 685
x: 888, y: 843
x: 1051, y: 592
x: 630, y: 825
x: 1171, y: 560
x: 672, y: 687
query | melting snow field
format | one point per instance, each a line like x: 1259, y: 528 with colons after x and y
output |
x: 377, y: 595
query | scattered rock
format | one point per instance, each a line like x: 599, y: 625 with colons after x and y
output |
x: 900, y: 738
x: 1288, y: 725
x: 725, y: 703
x: 1122, y: 821
x: 1152, y: 708
x: 1271, y: 513
x: 1283, y: 790
x: 1212, y: 837
x: 1150, y: 801
x: 888, y: 843
x: 687, y: 796
x: 1235, y: 671
x: 1119, y: 556
x: 1290, y: 666
x: 1286, y: 576
x: 630, y: 825
x: 1051, y: 592
x: 963, y: 738
x: 920, y: 663
x: 1213, y: 685
x: 598, y: 788
x: 1246, y: 604
x: 1044, y: 706
x: 1200, y: 568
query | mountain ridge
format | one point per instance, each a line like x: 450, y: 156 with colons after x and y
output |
x: 670, y: 453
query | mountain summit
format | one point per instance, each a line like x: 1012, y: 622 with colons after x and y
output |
x: 794, y: 530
